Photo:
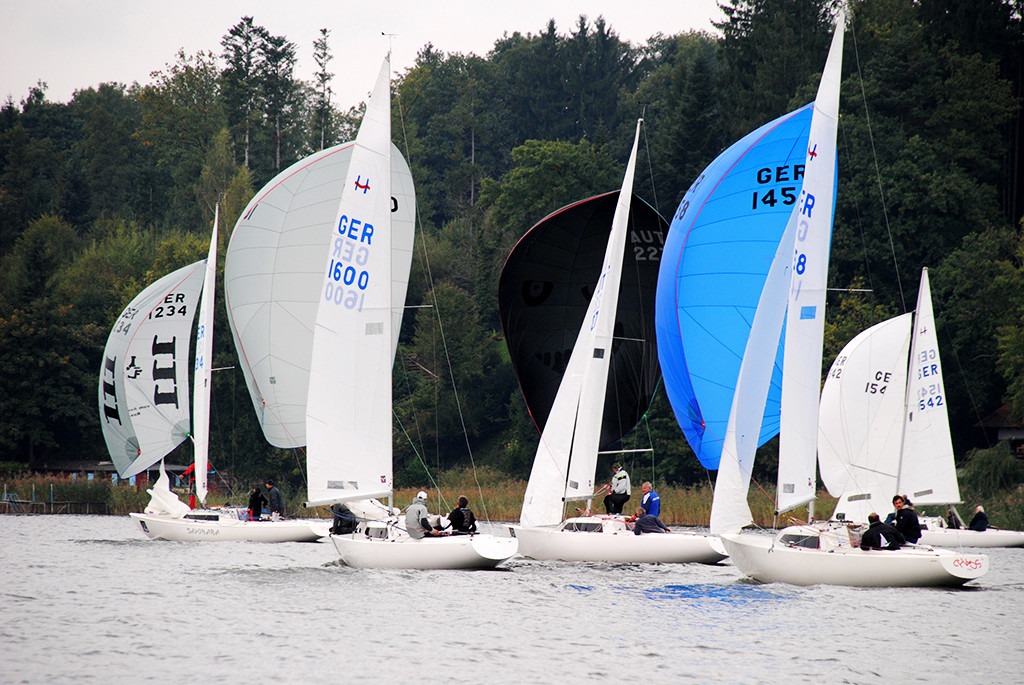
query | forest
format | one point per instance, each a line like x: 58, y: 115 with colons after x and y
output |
x: 102, y: 195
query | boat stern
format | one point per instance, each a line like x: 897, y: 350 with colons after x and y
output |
x: 965, y: 566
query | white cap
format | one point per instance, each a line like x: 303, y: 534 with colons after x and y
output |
x: 421, y: 495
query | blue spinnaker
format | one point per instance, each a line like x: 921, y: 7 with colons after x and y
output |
x: 720, y: 245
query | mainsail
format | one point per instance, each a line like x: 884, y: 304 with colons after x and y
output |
x: 794, y: 291
x: 204, y: 367
x: 545, y: 288
x: 273, y: 279
x: 722, y: 241
x: 143, y: 388
x: 566, y: 461
x: 348, y: 409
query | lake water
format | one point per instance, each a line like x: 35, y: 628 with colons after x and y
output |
x: 90, y: 599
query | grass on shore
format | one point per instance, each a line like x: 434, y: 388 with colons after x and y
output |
x: 495, y: 497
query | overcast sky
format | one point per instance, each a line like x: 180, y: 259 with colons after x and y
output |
x: 77, y: 44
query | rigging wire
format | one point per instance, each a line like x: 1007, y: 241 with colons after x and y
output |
x: 440, y: 325
x: 878, y: 173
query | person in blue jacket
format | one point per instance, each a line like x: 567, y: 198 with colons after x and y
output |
x: 650, y: 502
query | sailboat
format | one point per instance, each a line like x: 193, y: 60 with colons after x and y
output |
x: 884, y: 431
x: 794, y: 292
x: 154, y: 382
x: 348, y: 407
x: 565, y: 465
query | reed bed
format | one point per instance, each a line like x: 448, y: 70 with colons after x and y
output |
x: 495, y: 497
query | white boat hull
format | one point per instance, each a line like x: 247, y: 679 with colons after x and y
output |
x: 956, y: 538
x: 401, y: 551
x: 617, y: 545
x: 228, y: 527
x: 769, y: 561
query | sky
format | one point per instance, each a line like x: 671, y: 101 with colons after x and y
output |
x: 77, y: 44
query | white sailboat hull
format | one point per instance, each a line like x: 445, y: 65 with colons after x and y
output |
x: 401, y: 551
x: 941, y: 536
x: 615, y: 543
x: 770, y: 561
x: 226, y: 526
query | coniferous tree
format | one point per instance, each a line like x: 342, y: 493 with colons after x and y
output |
x: 242, y: 46
x: 322, y: 109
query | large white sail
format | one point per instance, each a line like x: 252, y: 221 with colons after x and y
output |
x: 805, y: 319
x: 927, y: 467
x: 204, y: 366
x: 566, y: 461
x: 143, y: 388
x: 348, y: 408
x: 273, y: 279
x: 860, y: 423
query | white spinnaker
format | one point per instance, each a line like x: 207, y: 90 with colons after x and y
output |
x: 860, y: 422
x: 348, y: 409
x: 566, y: 461
x: 273, y: 279
x: 805, y: 318
x: 927, y: 468
x: 204, y: 366
x: 143, y: 385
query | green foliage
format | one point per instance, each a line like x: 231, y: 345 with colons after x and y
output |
x: 991, y: 470
x: 101, y: 195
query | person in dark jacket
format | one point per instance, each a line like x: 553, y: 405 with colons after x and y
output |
x: 980, y: 520
x: 345, y: 521
x: 647, y: 523
x: 880, y: 535
x: 462, y: 520
x: 275, y: 502
x: 952, y: 520
x: 256, y: 502
x: 906, y: 519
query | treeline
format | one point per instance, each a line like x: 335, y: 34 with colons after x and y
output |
x: 105, y: 193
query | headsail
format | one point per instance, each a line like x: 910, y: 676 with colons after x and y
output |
x: 143, y: 388
x: 348, y: 409
x: 717, y: 256
x: 273, y: 279
x: 543, y: 294
x: 204, y: 366
x: 566, y: 461
x: 927, y: 468
x: 860, y: 424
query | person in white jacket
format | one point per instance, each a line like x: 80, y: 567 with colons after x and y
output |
x: 619, y: 491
